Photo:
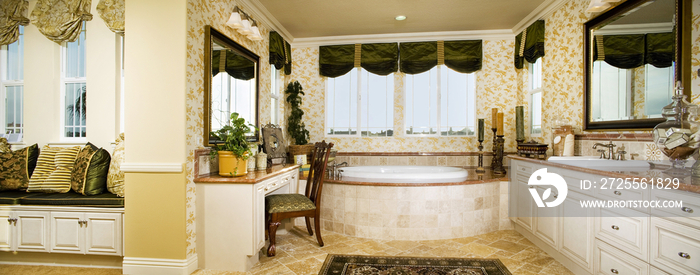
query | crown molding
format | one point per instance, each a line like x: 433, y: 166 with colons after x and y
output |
x: 635, y: 29
x: 542, y: 11
x: 260, y: 13
x: 503, y: 34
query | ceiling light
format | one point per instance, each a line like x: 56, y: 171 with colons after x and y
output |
x: 400, y: 17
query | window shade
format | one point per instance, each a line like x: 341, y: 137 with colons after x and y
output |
x: 12, y: 15
x: 280, y: 53
x: 418, y: 57
x: 235, y: 65
x: 61, y: 20
x: 337, y: 60
x: 533, y: 47
x: 380, y: 58
x: 112, y: 12
x: 660, y: 49
x: 463, y: 56
x: 633, y: 50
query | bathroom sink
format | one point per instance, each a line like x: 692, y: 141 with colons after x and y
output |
x: 601, y: 164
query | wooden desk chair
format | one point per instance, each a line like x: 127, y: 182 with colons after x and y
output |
x: 283, y: 206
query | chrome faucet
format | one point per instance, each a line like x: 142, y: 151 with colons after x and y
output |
x: 610, y: 146
x: 333, y: 172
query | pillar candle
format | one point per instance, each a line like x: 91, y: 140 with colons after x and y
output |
x: 481, y: 129
x: 494, y: 111
x: 500, y: 124
x: 519, y: 123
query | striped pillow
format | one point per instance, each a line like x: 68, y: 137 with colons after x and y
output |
x: 53, y: 171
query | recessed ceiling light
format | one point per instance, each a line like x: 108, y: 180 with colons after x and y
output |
x: 400, y: 17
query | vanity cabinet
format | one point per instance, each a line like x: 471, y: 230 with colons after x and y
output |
x: 86, y: 233
x: 24, y: 231
x: 607, y: 240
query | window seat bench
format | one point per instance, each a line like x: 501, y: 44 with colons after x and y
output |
x: 61, y: 199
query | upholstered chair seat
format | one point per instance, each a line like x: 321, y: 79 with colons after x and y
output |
x: 288, y: 203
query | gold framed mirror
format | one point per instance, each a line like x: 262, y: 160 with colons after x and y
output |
x: 633, y: 56
x: 231, y: 84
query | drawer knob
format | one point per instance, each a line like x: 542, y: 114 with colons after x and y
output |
x: 615, y: 227
x: 687, y: 209
x: 617, y: 193
x: 614, y: 271
x: 684, y: 255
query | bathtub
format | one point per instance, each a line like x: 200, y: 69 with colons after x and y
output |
x: 404, y: 174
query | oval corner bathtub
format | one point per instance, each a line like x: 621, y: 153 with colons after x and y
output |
x: 404, y: 174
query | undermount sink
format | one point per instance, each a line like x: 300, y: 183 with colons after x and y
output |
x: 600, y: 164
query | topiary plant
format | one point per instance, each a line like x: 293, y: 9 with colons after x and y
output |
x: 295, y: 127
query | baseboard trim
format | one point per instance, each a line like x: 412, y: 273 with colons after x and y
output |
x: 60, y: 264
x: 136, y: 266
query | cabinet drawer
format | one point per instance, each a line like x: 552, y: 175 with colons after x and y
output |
x: 611, y: 261
x: 675, y: 246
x: 625, y: 229
x: 622, y: 194
x: 688, y: 214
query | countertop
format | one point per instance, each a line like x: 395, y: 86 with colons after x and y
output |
x: 686, y: 183
x: 472, y: 178
x: 251, y: 177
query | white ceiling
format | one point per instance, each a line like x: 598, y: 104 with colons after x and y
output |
x: 324, y: 18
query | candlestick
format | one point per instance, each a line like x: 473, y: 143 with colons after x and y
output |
x: 519, y: 124
x: 481, y: 130
x: 498, y: 168
x: 494, y: 112
x: 500, y: 124
x: 493, y: 149
x: 480, y: 168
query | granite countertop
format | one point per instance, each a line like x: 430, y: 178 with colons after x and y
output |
x: 472, y: 178
x: 251, y: 177
x: 686, y: 183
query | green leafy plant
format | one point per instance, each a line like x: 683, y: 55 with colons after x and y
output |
x: 234, y: 137
x: 295, y: 127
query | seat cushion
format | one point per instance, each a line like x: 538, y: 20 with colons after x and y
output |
x: 56, y: 167
x: 288, y: 203
x: 12, y: 197
x: 73, y: 199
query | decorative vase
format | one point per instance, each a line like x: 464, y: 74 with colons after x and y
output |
x: 678, y: 137
x: 261, y: 161
x: 251, y: 164
x: 230, y: 165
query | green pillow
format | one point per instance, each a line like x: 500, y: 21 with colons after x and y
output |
x: 15, y: 168
x: 32, y: 157
x: 89, y: 175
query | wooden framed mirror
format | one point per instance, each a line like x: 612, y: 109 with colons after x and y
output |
x: 633, y: 56
x: 231, y: 84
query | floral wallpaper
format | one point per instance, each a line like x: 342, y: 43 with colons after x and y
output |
x: 496, y: 87
x: 214, y: 13
x: 695, y: 63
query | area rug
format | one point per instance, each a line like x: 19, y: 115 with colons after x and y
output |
x: 380, y: 265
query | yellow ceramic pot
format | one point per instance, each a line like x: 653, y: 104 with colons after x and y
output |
x: 231, y: 166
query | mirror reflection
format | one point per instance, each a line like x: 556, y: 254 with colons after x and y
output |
x: 632, y: 74
x: 231, y: 84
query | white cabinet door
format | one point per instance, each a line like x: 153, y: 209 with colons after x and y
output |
x: 259, y: 216
x: 577, y: 230
x: 546, y: 225
x: 66, y: 232
x: 525, y: 205
x: 103, y: 234
x: 32, y: 231
x: 6, y: 231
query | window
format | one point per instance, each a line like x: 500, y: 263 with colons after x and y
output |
x: 12, y: 86
x: 445, y: 108
x: 535, y: 71
x: 360, y: 103
x: 275, y: 94
x: 231, y: 95
x: 73, y: 86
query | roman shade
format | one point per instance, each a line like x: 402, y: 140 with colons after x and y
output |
x: 337, y: 60
x: 112, y: 13
x: 280, y: 53
x: 418, y: 57
x: 529, y: 44
x: 380, y: 58
x: 634, y: 50
x: 463, y: 56
x: 234, y: 64
x: 12, y: 15
x: 61, y: 20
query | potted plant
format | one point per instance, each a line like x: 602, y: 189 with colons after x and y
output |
x: 295, y: 127
x: 235, y: 149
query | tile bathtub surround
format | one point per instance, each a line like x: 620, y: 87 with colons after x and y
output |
x: 639, y: 150
x: 298, y: 253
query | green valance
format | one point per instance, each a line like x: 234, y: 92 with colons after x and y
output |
x: 337, y: 60
x: 235, y: 65
x: 463, y: 56
x: 418, y: 57
x: 280, y: 53
x: 12, y: 15
x: 630, y: 51
x: 529, y: 44
x: 380, y: 58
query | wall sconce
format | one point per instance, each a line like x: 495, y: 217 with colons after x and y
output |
x: 600, y: 5
x: 241, y: 21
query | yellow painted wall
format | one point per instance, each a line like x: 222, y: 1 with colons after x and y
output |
x: 42, y: 76
x: 155, y: 76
